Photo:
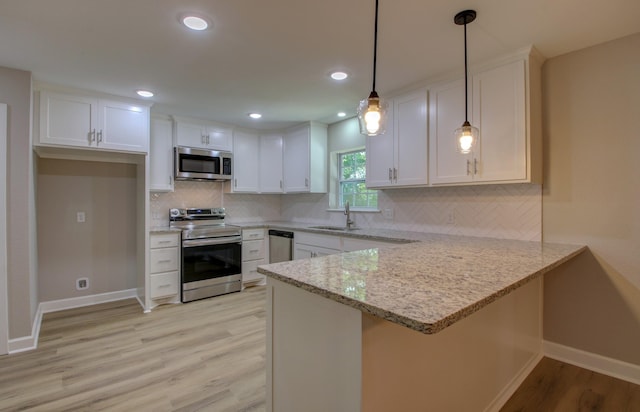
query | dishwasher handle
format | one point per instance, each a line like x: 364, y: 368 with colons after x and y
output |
x: 280, y: 233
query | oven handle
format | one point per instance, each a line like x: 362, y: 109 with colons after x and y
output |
x: 211, y: 241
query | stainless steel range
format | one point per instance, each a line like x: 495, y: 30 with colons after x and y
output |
x: 211, y: 253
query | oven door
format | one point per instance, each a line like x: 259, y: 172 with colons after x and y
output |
x: 211, y: 263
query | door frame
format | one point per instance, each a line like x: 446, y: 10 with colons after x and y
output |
x: 4, y: 307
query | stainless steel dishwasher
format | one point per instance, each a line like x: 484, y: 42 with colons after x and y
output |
x: 280, y: 246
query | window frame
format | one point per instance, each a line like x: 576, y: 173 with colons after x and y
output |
x: 340, y: 181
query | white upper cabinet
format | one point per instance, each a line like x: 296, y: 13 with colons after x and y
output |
x: 270, y: 163
x: 399, y: 157
x: 246, y: 157
x: 504, y: 106
x: 203, y: 134
x: 85, y: 121
x: 161, y: 155
x: 305, y: 159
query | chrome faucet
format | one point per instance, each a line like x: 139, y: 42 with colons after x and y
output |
x: 350, y: 222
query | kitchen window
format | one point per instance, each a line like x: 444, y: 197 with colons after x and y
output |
x: 352, y: 173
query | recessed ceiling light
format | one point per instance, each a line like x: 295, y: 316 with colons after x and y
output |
x: 144, y: 93
x: 342, y: 114
x: 195, y: 22
x: 339, y: 75
x: 255, y: 115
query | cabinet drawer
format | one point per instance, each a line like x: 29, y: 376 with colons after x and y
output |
x: 164, y: 240
x: 250, y: 270
x: 164, y: 284
x: 164, y: 260
x: 253, y: 249
x: 325, y: 241
x: 252, y: 234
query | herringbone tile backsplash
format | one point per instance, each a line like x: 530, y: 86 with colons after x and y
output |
x: 500, y: 211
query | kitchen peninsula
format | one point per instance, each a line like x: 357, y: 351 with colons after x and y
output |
x: 449, y: 323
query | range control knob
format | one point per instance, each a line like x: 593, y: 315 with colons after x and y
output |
x: 174, y: 212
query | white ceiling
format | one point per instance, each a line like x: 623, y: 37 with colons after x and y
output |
x: 274, y: 56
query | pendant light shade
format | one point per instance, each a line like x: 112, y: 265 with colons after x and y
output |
x: 372, y: 111
x: 466, y: 136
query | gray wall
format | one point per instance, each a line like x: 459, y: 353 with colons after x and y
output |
x: 15, y: 91
x: 591, y: 196
x: 103, y: 248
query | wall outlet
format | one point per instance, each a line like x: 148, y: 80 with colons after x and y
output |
x: 80, y: 217
x: 387, y: 214
x: 451, y: 217
x: 82, y: 283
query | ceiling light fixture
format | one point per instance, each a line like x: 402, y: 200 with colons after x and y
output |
x: 467, y: 135
x: 195, y: 22
x: 339, y: 75
x: 372, y: 112
x: 255, y: 115
x: 144, y: 93
x: 341, y: 114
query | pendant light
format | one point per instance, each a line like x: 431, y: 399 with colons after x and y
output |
x: 467, y: 135
x: 372, y: 112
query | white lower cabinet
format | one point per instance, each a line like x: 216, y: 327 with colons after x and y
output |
x: 310, y: 245
x: 164, y: 267
x: 254, y: 252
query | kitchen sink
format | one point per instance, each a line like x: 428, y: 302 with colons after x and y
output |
x: 340, y: 228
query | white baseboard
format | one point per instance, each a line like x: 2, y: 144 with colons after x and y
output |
x: 498, y: 402
x: 63, y: 304
x: 26, y: 343
x: 608, y: 366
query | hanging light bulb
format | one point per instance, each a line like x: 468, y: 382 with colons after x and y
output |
x: 372, y: 112
x: 467, y: 135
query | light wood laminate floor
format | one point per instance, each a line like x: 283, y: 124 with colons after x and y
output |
x: 209, y: 355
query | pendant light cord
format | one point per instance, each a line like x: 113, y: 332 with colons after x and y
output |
x: 466, y: 94
x: 375, y: 48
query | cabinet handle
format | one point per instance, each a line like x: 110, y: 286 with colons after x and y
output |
x: 92, y: 135
x: 475, y: 166
x: 253, y: 235
x: 164, y: 286
x: 165, y: 261
x: 235, y: 182
x: 170, y: 180
x: 281, y: 184
x: 164, y: 241
x: 395, y: 174
x: 306, y: 182
x: 390, y: 175
x: 254, y: 251
x: 468, y: 167
x: 208, y: 139
x: 100, y: 136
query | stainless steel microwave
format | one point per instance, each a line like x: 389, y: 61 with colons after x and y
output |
x: 201, y: 164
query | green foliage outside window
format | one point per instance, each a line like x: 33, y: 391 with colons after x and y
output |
x: 352, y: 181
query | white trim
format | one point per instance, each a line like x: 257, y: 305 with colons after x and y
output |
x: 618, y: 369
x: 4, y: 306
x: 501, y: 399
x: 63, y: 304
x: 26, y: 343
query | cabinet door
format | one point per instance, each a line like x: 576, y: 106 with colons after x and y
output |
x: 296, y: 160
x: 161, y: 156
x: 380, y: 156
x: 123, y: 126
x: 446, y: 114
x: 191, y: 134
x: 67, y: 119
x: 219, y: 138
x: 499, y: 113
x: 270, y: 164
x: 410, y: 133
x: 246, y: 148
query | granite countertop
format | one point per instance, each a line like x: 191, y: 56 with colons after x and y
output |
x: 425, y: 285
